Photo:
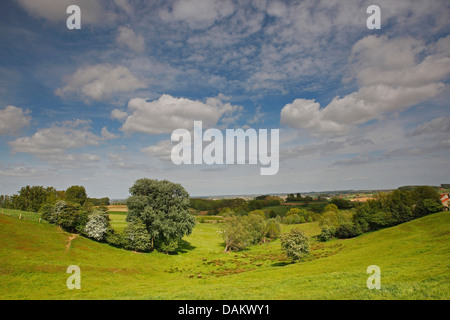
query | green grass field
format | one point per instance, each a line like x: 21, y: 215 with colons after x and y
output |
x: 118, y: 220
x: 413, y: 258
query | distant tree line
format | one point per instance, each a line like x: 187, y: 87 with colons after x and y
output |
x: 100, y: 201
x: 385, y: 210
x: 306, y: 199
x: 32, y: 198
x: 237, y: 206
x: 214, y: 206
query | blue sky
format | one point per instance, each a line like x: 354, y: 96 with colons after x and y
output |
x: 356, y: 108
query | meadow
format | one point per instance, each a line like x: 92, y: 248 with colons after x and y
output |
x: 413, y: 258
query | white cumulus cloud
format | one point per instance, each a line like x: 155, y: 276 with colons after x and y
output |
x: 101, y: 81
x: 169, y: 113
x: 391, y: 79
x: 13, y: 119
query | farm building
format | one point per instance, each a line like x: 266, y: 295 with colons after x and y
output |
x: 444, y: 200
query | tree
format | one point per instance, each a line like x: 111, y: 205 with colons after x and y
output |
x: 76, y: 194
x: 295, y: 244
x: 240, y: 232
x: 32, y: 198
x: 256, y: 226
x: 341, y: 203
x: 258, y: 213
x: 331, y: 207
x: 235, y: 234
x: 163, y: 207
x: 273, y: 229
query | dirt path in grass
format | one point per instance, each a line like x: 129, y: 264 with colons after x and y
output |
x: 73, y: 237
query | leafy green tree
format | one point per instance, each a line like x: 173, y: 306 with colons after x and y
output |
x: 68, y: 216
x: 76, y: 194
x: 256, y: 226
x: 258, y: 213
x: 295, y: 244
x: 32, y: 198
x: 163, y: 207
x: 331, y: 207
x: 235, y: 234
x: 293, y: 211
x: 273, y: 229
x: 427, y: 201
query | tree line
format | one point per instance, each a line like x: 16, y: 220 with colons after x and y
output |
x: 385, y: 210
x: 158, y: 217
x: 32, y: 198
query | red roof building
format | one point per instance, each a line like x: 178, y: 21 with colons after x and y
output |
x: 444, y: 200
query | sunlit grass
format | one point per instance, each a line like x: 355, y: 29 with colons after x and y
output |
x: 413, y: 258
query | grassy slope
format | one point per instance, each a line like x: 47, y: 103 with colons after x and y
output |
x: 413, y: 257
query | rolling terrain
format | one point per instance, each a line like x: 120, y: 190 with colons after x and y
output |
x: 413, y: 258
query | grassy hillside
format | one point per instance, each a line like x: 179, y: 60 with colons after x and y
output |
x: 413, y: 258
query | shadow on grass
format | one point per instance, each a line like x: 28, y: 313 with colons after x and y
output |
x: 282, y: 264
x: 184, y: 247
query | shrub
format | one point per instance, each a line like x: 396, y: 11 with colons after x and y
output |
x: 47, y: 213
x: 348, y: 229
x: 137, y: 236
x: 168, y: 245
x: 295, y: 244
x: 327, y: 233
x: 96, y: 226
x: 117, y: 239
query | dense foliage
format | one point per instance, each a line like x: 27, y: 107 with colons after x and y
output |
x: 239, y: 232
x: 387, y: 209
x: 97, y: 226
x: 295, y: 244
x: 163, y: 207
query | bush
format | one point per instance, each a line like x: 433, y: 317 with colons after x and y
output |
x: 348, y: 229
x: 47, y: 213
x: 137, y: 237
x: 327, y: 233
x: 168, y: 245
x: 295, y: 244
x: 117, y: 239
